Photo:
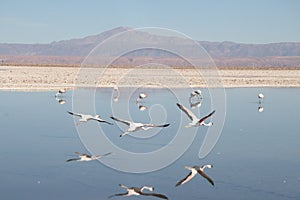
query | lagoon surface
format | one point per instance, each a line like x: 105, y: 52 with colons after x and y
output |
x: 257, y: 154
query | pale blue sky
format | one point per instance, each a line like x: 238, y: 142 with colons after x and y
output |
x: 252, y: 21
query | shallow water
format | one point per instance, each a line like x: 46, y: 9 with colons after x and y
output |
x: 256, y: 156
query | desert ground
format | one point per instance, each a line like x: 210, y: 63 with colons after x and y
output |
x: 35, y: 78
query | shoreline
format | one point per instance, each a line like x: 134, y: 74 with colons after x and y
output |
x: 32, y: 78
x: 69, y: 89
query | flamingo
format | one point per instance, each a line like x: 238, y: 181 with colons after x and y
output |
x: 87, y: 117
x: 135, y: 126
x: 86, y: 157
x: 195, y: 121
x: 194, y: 171
x: 138, y: 191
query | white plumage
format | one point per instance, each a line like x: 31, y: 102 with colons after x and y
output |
x: 135, y: 126
x: 195, y: 120
x: 194, y: 171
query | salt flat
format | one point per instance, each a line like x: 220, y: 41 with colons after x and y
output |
x: 26, y: 78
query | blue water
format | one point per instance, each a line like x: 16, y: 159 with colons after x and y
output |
x: 256, y: 156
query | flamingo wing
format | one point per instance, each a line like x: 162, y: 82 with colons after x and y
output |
x: 121, y: 120
x: 186, y: 179
x: 155, y: 195
x: 187, y: 112
x: 207, y: 177
x: 75, y: 114
x: 207, y: 116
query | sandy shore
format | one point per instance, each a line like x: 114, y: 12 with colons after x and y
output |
x: 29, y: 78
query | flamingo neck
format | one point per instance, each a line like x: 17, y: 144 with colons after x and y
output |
x: 206, y: 124
x: 147, y: 188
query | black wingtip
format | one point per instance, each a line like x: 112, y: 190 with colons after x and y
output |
x: 108, y: 122
x: 166, y: 125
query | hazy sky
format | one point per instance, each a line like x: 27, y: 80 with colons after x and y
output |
x: 252, y: 21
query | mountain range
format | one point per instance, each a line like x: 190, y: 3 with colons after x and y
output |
x: 73, y: 51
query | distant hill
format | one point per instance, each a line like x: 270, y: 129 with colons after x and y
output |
x: 72, y: 47
x: 73, y: 51
x: 231, y: 49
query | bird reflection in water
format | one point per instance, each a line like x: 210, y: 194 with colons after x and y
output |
x: 142, y: 107
x: 260, y: 108
x: 260, y: 96
x: 196, y: 104
x: 116, y: 93
x: 139, y: 102
x: 60, y: 101
x: 59, y: 96
x: 196, y: 99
